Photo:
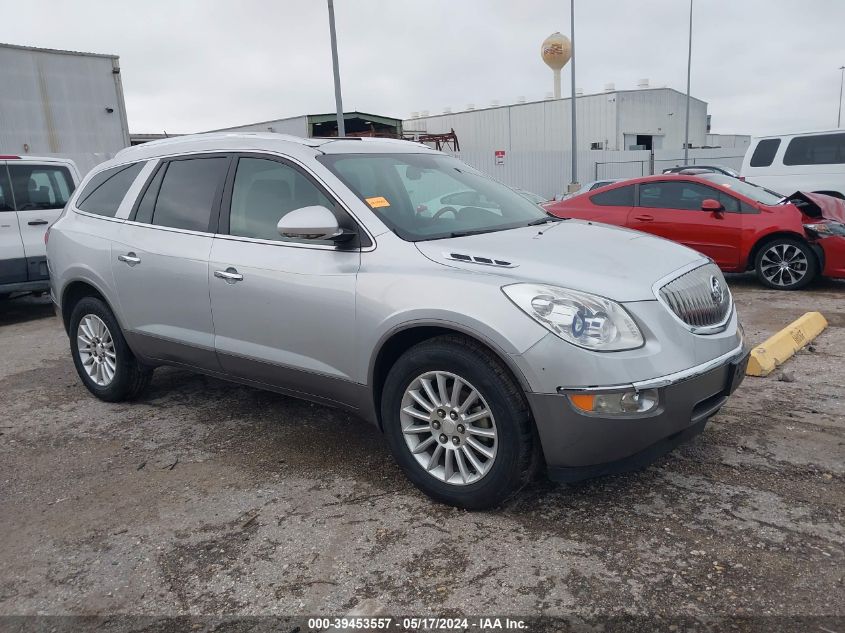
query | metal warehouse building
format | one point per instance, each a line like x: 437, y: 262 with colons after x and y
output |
x: 320, y: 125
x: 61, y: 103
x: 646, y: 118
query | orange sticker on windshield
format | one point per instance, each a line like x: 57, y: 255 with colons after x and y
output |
x: 377, y: 202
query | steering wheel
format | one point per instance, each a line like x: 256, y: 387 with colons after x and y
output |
x: 437, y: 215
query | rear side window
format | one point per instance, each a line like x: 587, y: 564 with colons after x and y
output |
x: 619, y: 197
x: 764, y: 153
x: 105, y: 191
x: 189, y: 190
x: 820, y: 149
x: 5, y: 191
x: 40, y: 186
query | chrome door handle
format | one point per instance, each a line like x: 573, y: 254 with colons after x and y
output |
x: 230, y: 275
x: 130, y: 258
x: 644, y: 218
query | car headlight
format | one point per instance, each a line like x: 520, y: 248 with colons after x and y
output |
x: 826, y: 228
x: 580, y: 318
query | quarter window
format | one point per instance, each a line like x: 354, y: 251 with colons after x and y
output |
x: 619, y: 197
x: 40, y: 186
x: 764, y: 153
x: 189, y: 190
x: 819, y: 149
x: 105, y: 191
x: 265, y: 191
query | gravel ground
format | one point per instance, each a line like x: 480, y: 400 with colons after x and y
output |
x: 212, y: 498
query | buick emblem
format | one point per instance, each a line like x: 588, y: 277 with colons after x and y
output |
x: 716, y: 291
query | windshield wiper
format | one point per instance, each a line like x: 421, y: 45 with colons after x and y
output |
x: 475, y: 232
x: 549, y: 218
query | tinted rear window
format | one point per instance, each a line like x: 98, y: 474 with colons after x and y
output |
x: 820, y: 149
x: 619, y: 197
x: 188, y: 193
x: 40, y: 186
x: 765, y: 152
x: 105, y: 191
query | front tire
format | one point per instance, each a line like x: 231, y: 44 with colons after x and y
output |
x: 786, y: 264
x: 457, y: 423
x: 103, y: 360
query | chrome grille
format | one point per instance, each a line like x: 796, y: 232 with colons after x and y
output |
x: 700, y: 298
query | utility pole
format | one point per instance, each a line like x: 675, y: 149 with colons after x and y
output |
x: 574, y: 183
x: 338, y: 101
x: 841, y: 80
x: 689, y: 66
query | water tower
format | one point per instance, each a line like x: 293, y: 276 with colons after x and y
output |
x: 556, y: 50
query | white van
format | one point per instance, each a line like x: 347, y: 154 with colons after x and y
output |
x: 810, y: 162
x: 33, y: 192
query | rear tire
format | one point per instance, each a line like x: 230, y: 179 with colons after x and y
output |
x: 492, y: 455
x: 103, y: 360
x: 786, y: 264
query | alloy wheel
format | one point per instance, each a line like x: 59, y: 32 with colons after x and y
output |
x: 449, y: 428
x: 784, y: 264
x: 95, y: 347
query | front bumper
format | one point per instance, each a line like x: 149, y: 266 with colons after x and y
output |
x: 579, y: 446
x: 834, y: 256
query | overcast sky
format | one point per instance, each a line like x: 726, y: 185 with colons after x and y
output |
x: 763, y: 66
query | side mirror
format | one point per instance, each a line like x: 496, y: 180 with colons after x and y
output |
x: 713, y: 206
x: 311, y: 223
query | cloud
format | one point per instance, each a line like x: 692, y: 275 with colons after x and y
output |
x: 763, y: 66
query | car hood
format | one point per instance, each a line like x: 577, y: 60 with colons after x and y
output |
x: 617, y: 263
x: 819, y: 205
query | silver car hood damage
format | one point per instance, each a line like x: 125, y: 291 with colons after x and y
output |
x: 620, y: 264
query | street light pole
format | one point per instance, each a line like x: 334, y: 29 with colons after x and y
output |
x: 572, y: 70
x: 689, y: 66
x: 841, y: 80
x: 338, y: 101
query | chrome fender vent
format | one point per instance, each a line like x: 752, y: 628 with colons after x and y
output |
x: 479, y: 259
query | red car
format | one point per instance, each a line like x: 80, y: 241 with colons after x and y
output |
x: 741, y: 226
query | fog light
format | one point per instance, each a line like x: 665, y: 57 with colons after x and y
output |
x: 617, y: 403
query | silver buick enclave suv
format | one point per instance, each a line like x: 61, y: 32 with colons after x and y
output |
x: 483, y: 336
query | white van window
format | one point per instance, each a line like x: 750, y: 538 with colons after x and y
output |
x: 38, y: 187
x: 764, y: 153
x: 819, y: 149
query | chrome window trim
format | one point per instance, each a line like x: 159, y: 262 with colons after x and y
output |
x: 703, y: 330
x: 667, y: 380
x: 319, y: 247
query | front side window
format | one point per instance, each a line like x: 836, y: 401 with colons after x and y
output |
x: 430, y: 196
x: 189, y: 190
x: 674, y: 195
x: 764, y: 153
x: 264, y: 191
x: 106, y: 190
x: 819, y: 149
x: 37, y: 187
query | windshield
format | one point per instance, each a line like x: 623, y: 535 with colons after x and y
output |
x: 432, y: 196
x: 747, y: 189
